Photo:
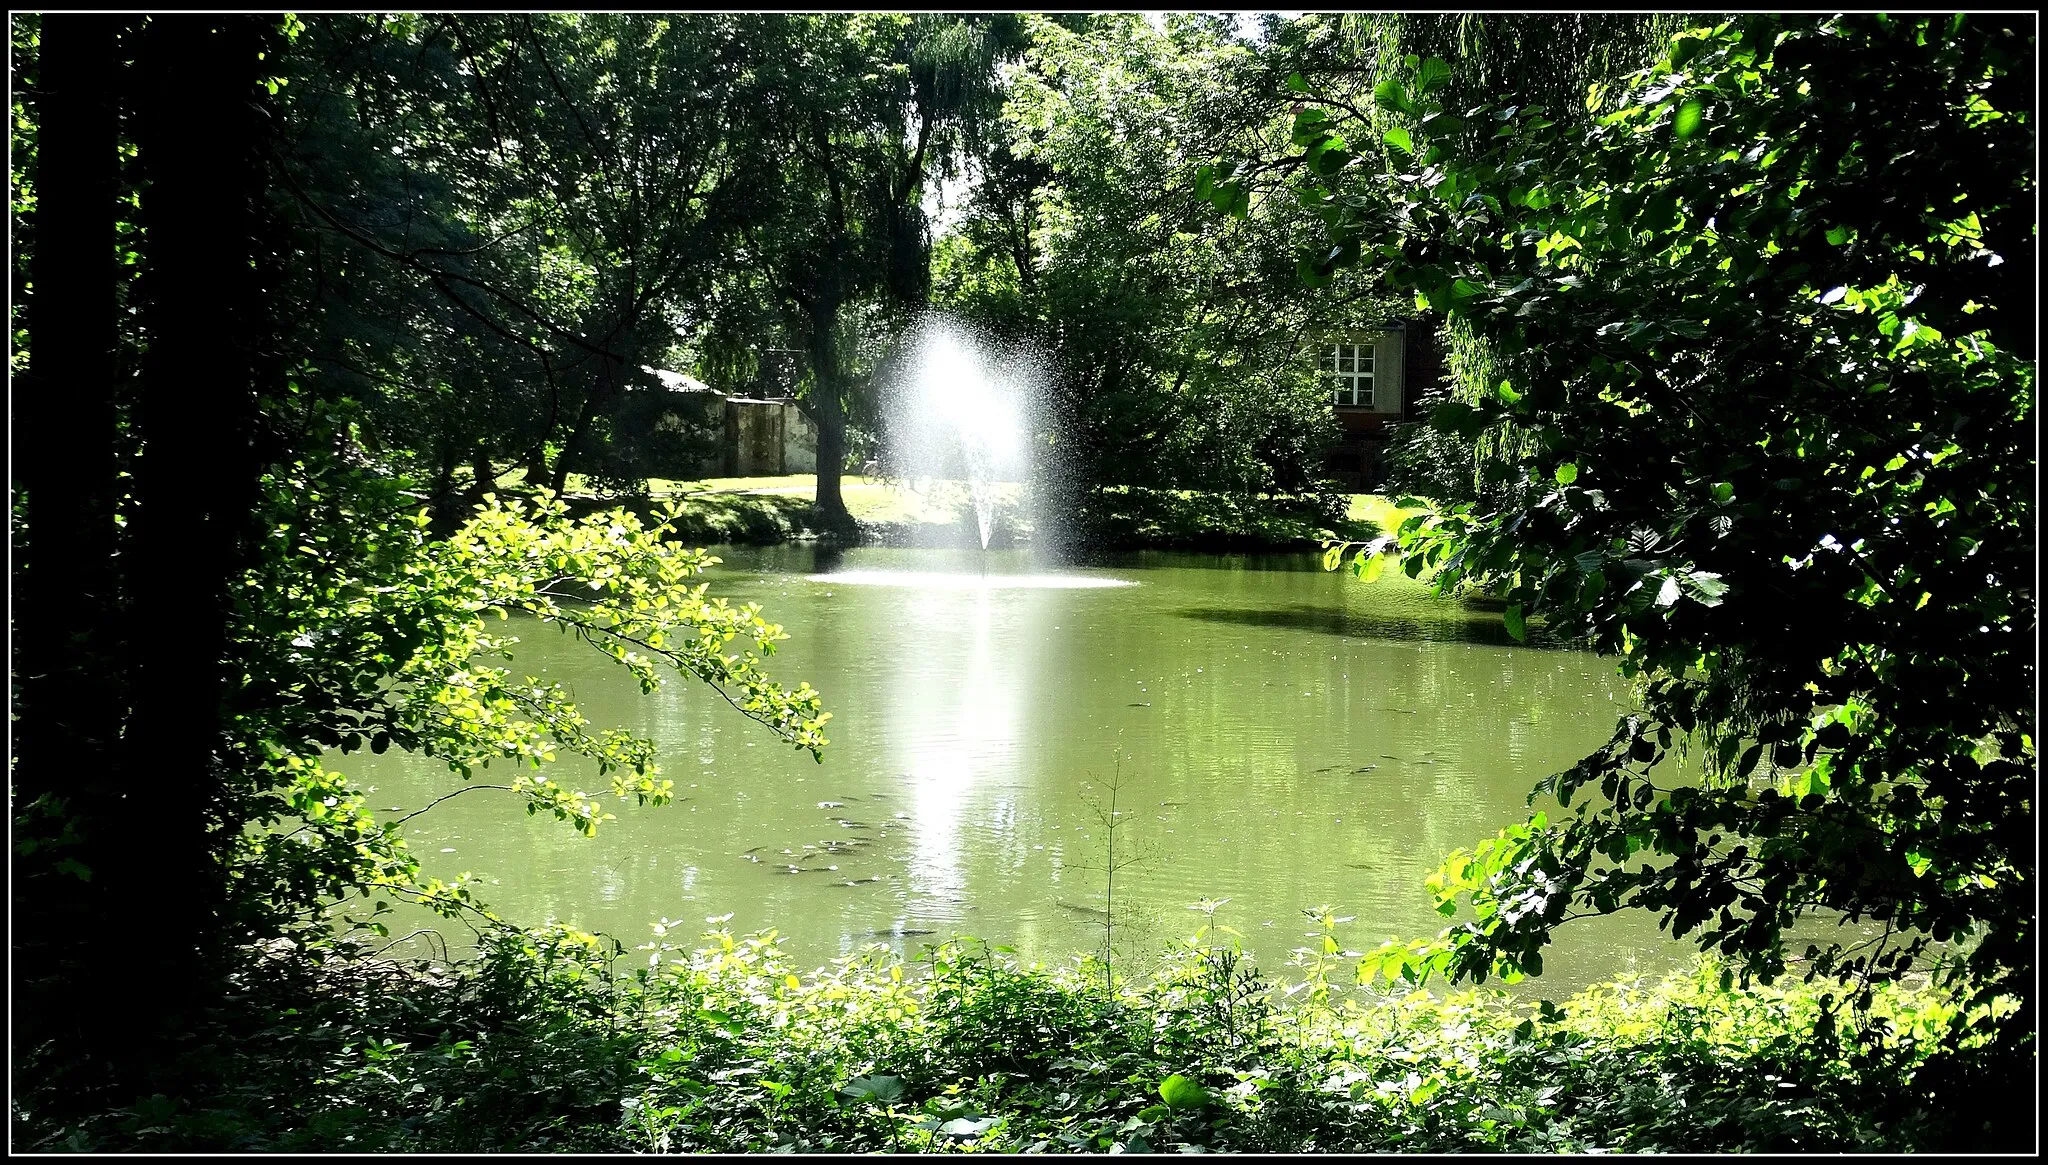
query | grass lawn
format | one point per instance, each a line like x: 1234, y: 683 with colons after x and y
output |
x: 1380, y: 510
x: 871, y: 500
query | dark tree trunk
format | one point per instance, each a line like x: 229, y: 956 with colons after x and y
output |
x: 605, y: 387
x: 536, y: 466
x: 827, y: 409
x: 444, y: 474
x: 572, y: 453
x: 67, y: 649
x: 485, y: 473
x: 201, y: 129
x: 831, y: 417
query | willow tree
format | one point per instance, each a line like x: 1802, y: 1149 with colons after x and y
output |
x: 1174, y: 336
x: 855, y: 117
x: 1540, y: 60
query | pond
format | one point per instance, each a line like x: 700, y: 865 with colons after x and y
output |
x: 1272, y: 734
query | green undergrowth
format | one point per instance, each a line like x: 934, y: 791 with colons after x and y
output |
x: 1134, y: 517
x: 551, y: 1040
x: 712, y: 518
x: 729, y: 510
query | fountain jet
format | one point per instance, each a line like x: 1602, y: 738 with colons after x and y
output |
x: 961, y: 409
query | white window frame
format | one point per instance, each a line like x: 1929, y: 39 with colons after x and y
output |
x: 1351, y: 370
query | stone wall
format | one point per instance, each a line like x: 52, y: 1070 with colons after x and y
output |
x: 767, y: 438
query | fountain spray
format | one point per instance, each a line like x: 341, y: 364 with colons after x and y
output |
x: 960, y: 409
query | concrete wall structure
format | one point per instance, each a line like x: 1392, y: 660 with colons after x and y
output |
x: 766, y: 438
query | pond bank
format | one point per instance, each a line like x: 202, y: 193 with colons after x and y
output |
x: 768, y: 511
x: 554, y: 1041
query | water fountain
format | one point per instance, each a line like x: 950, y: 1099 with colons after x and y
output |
x: 959, y: 408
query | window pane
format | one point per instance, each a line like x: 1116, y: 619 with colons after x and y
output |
x: 1366, y: 356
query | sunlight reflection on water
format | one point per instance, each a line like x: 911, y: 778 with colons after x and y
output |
x: 933, y: 580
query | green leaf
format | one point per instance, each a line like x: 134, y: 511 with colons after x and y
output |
x: 1704, y: 587
x: 1667, y: 594
x: 1567, y: 473
x: 1723, y: 492
x: 1296, y: 83
x: 1371, y: 567
x: 1838, y: 235
x: 1399, y: 138
x: 1329, y: 156
x: 1687, y: 122
x: 1457, y: 419
x: 1747, y: 764
x: 1515, y: 623
x: 1182, y: 1094
x: 1390, y: 94
x: 879, y: 1089
x: 1431, y: 75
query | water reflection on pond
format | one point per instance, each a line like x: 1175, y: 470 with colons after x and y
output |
x: 1283, y: 737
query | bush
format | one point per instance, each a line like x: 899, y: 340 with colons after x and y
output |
x: 542, y: 1042
x: 1134, y: 516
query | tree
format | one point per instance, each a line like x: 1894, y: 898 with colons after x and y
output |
x: 856, y: 115
x: 230, y: 594
x: 128, y: 817
x: 544, y: 197
x: 1545, y: 59
x: 1767, y: 324
x: 1176, y: 342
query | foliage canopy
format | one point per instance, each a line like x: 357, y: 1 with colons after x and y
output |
x: 1766, y: 324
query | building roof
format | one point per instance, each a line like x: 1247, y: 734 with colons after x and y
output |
x: 677, y: 381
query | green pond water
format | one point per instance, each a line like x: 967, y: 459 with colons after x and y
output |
x: 1282, y: 737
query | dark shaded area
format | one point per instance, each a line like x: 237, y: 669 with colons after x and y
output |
x: 710, y: 518
x: 127, y: 793
x: 1291, y: 561
x: 1367, y: 625
x: 1132, y: 517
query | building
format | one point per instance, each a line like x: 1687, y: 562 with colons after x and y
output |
x: 1374, y: 379
x: 765, y: 435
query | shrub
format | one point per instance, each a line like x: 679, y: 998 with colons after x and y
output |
x: 541, y: 1041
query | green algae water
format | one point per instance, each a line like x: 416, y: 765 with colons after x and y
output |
x: 1275, y: 735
